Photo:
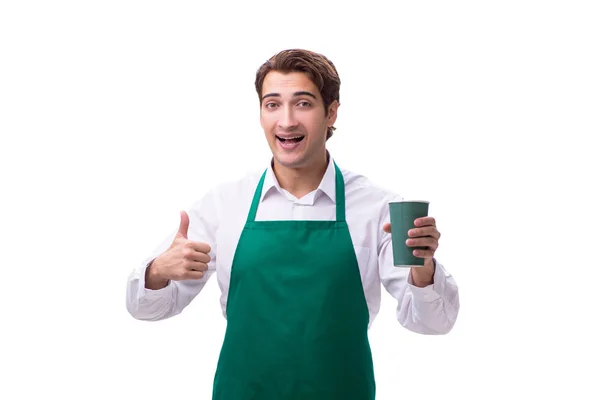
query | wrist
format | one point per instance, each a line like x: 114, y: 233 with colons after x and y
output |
x: 423, y: 276
x: 154, y: 280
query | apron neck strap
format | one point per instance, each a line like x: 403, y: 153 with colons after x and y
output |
x: 340, y: 195
x: 340, y: 198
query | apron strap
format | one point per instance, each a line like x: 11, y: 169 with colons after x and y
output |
x: 340, y: 197
x: 256, y: 199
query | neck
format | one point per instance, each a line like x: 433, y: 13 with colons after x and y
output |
x: 303, y: 180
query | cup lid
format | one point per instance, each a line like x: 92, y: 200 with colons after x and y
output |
x: 410, y: 201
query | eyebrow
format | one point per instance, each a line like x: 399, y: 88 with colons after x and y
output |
x: 296, y: 94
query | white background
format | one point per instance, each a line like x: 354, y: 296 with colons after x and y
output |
x: 115, y: 115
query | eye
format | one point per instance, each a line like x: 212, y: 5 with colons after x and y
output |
x: 304, y: 104
x: 271, y: 105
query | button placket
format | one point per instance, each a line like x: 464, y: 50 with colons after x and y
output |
x: 296, y: 211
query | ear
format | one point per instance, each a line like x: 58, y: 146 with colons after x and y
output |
x: 332, y: 113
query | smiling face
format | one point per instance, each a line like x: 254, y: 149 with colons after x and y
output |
x: 293, y: 117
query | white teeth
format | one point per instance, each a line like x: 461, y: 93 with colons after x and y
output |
x: 295, y: 137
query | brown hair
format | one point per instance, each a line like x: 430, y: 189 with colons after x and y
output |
x: 317, y: 67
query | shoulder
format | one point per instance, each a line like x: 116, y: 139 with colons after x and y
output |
x: 367, y: 208
x: 367, y: 202
x: 230, y: 192
x: 360, y: 187
x: 239, y: 187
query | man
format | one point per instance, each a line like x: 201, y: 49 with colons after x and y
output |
x: 300, y: 253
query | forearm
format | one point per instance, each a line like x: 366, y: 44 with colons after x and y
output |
x: 156, y: 299
x: 150, y: 300
x: 430, y: 309
x: 428, y: 304
x: 164, y: 284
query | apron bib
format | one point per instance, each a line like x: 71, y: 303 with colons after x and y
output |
x: 297, y: 319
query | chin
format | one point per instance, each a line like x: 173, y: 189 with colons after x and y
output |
x: 290, y: 162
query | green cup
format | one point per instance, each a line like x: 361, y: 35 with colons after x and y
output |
x: 402, y: 218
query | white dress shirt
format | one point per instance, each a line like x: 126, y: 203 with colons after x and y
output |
x: 219, y: 217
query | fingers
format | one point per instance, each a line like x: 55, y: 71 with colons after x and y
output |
x: 199, y: 247
x: 190, y: 265
x: 188, y: 275
x: 194, y: 275
x: 423, y: 243
x: 191, y: 253
x: 196, y: 266
x: 425, y: 221
x: 416, y: 232
x: 423, y: 253
x: 184, y: 224
x: 426, y: 231
x: 200, y: 257
x: 424, y: 237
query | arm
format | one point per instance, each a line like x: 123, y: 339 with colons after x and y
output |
x: 427, y: 307
x: 152, y: 298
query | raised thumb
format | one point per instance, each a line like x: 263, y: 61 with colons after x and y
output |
x: 184, y: 224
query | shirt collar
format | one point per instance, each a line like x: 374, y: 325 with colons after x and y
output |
x: 327, y: 185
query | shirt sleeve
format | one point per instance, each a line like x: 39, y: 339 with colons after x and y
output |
x: 429, y: 310
x: 154, y: 305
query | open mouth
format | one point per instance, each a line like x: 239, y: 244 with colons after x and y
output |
x: 294, y: 139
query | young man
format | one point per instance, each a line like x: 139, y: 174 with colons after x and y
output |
x: 300, y: 254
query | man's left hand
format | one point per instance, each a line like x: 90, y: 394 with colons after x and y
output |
x: 425, y: 234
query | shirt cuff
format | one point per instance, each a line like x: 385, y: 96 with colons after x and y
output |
x: 430, y: 293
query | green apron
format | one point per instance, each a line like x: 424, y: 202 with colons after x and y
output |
x: 297, y: 318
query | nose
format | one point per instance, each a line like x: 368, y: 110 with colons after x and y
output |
x: 287, y: 120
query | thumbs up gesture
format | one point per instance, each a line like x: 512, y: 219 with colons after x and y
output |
x: 184, y: 259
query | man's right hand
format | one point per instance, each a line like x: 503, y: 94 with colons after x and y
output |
x: 183, y: 260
